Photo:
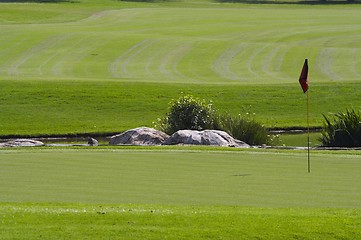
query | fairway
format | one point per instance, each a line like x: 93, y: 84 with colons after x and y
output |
x: 108, y: 66
x: 238, y: 44
x: 244, y: 178
x: 101, y: 67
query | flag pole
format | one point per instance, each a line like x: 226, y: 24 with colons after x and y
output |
x: 303, y: 80
x: 308, y: 135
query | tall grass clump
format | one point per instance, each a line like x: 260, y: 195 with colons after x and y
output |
x: 245, y: 128
x: 192, y: 113
x: 343, y: 130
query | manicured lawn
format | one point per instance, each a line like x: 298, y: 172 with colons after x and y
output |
x: 120, y: 221
x: 240, y: 44
x: 107, y: 66
x: 192, y: 193
x: 62, y: 107
x: 85, y: 67
x: 244, y: 178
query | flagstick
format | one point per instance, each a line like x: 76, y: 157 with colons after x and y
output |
x: 308, y: 135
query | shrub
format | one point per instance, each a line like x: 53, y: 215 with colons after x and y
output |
x: 192, y: 113
x: 245, y: 128
x: 343, y: 130
x: 188, y: 112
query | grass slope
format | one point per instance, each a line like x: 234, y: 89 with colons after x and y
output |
x: 62, y: 107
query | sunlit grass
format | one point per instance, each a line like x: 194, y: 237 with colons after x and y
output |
x: 75, y: 221
x: 183, y: 192
x: 68, y: 107
x: 179, y: 42
x: 180, y: 176
x: 108, y: 66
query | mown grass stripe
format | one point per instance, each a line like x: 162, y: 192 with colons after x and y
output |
x: 215, y: 55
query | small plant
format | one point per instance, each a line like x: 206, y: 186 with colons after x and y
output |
x: 245, y: 128
x: 188, y: 112
x: 344, y: 130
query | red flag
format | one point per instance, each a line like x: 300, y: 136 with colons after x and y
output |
x: 304, y: 77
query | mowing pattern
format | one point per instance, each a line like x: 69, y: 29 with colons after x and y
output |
x: 246, y: 44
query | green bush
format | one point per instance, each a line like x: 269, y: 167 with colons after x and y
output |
x: 193, y: 113
x: 343, y: 130
x: 188, y: 112
x: 245, y: 128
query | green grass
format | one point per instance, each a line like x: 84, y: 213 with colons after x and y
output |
x: 83, y: 221
x: 239, y: 44
x: 194, y: 193
x: 243, y: 178
x: 299, y: 139
x: 106, y: 66
x: 62, y: 107
x: 85, y: 67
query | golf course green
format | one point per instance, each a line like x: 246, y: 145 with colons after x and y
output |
x: 103, y: 67
x: 178, y: 193
x: 109, y: 66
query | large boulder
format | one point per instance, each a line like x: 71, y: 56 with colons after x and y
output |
x: 206, y: 137
x: 22, y: 143
x: 139, y: 136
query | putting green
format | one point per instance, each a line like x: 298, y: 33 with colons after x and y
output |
x: 244, y: 178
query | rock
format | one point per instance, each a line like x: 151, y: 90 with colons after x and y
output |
x: 22, y: 143
x: 92, y: 142
x: 206, y: 137
x: 139, y: 136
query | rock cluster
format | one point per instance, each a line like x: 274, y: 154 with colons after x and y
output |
x: 150, y: 136
x: 144, y: 136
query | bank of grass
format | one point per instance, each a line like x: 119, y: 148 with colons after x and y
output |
x: 70, y: 107
x: 98, y: 221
